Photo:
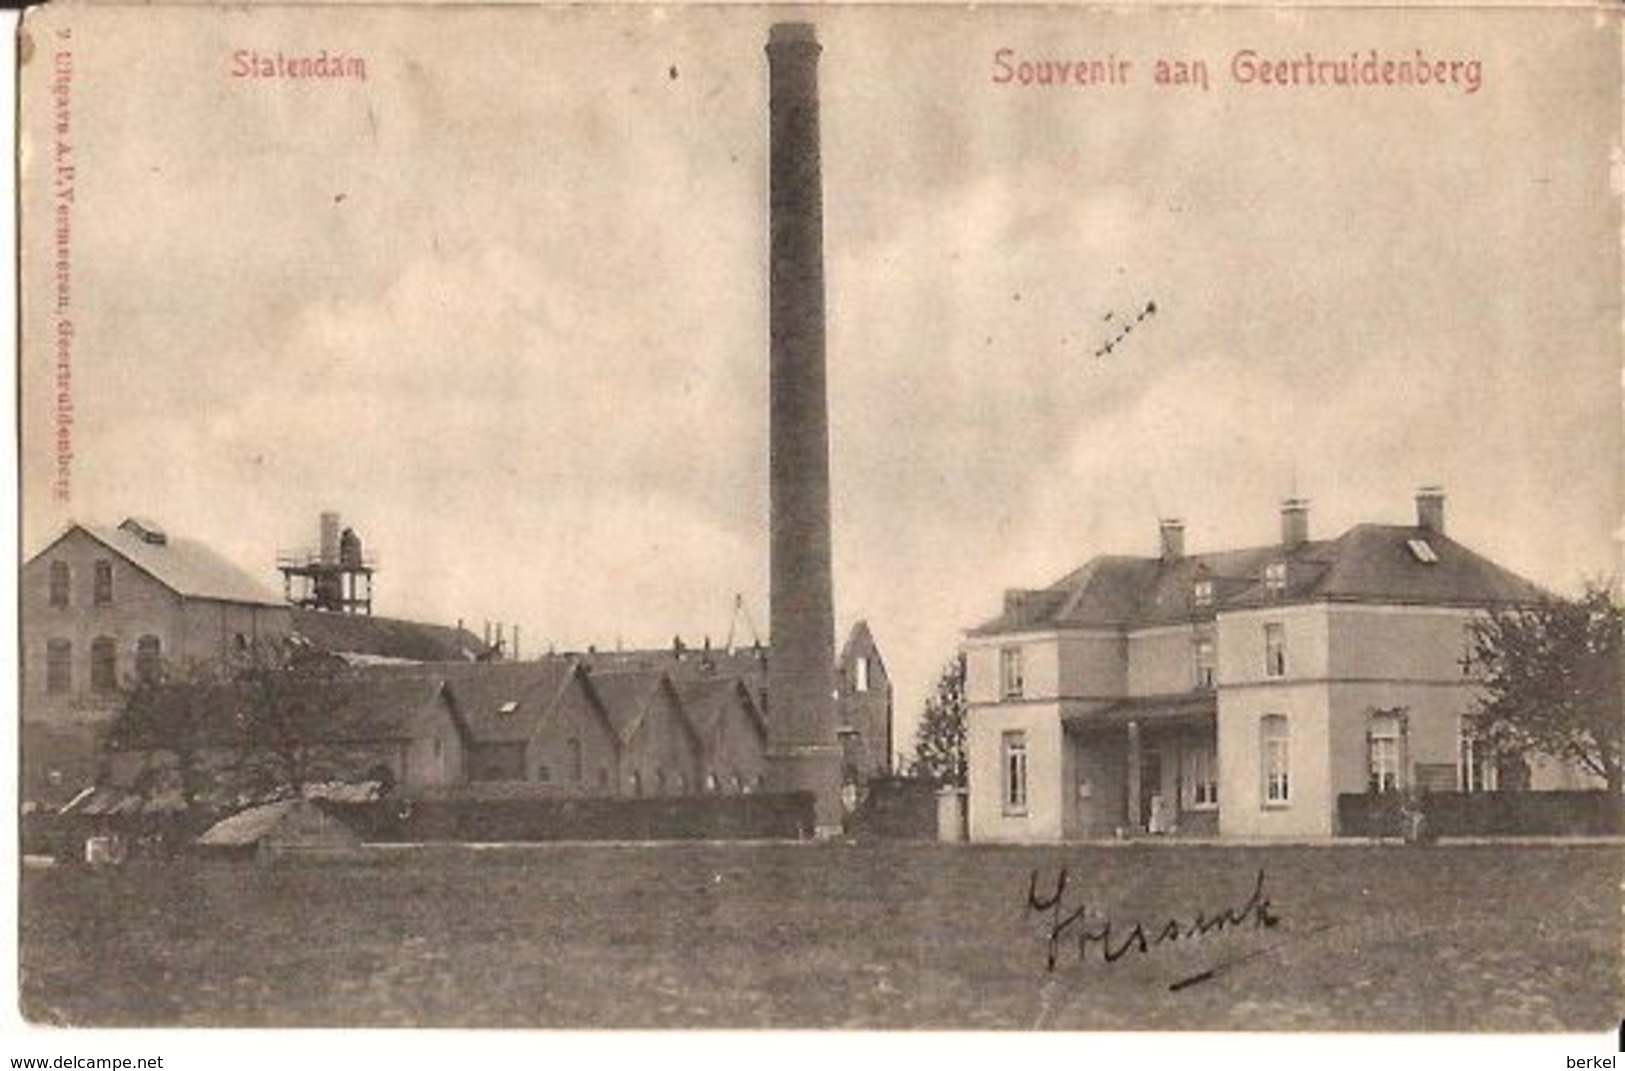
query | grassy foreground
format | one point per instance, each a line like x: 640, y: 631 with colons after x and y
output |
x: 887, y: 936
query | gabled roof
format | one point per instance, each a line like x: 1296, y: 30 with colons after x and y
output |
x: 185, y: 566
x: 862, y: 641
x: 705, y: 699
x: 1370, y: 563
x: 506, y: 702
x: 385, y: 637
x: 369, y: 709
x: 626, y: 696
x: 346, y: 708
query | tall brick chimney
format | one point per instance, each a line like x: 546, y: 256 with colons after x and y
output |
x: 803, y: 752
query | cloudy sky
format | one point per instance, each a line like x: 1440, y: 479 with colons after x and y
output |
x: 503, y: 303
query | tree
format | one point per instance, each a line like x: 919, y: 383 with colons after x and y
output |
x: 939, y: 741
x: 287, y: 707
x: 183, y: 709
x: 1551, y: 679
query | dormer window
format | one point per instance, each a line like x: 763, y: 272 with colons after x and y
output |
x: 1202, y: 593
x: 1423, y: 551
x: 1275, y: 577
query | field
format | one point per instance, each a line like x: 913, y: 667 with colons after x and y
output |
x: 1369, y: 938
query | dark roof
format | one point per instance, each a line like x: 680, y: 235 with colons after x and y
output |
x: 1370, y: 563
x: 385, y: 637
x: 185, y: 566
x: 700, y: 662
x: 1189, y: 708
x: 369, y: 709
x: 505, y: 702
x: 704, y: 700
x: 626, y: 696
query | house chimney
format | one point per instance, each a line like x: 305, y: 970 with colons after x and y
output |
x: 1015, y: 598
x: 1173, y: 538
x: 1294, y: 522
x: 802, y: 752
x: 1430, y: 509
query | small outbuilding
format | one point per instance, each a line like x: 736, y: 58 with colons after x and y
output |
x: 286, y: 828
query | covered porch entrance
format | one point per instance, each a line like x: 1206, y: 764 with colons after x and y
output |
x: 1144, y: 767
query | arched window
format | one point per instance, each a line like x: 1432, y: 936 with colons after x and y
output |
x: 61, y: 583
x: 104, y: 664
x: 59, y: 666
x: 149, y: 653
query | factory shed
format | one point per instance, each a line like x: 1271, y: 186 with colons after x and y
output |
x: 286, y: 828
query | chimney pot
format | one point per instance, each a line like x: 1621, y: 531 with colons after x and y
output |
x: 1430, y: 509
x: 1294, y: 522
x: 1014, y: 598
x: 1173, y: 539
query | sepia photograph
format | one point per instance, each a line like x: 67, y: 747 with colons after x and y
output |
x: 918, y: 517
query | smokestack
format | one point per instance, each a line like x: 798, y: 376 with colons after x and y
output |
x: 802, y: 753
x: 330, y: 539
x: 1294, y: 522
x: 1173, y: 539
x: 1430, y: 509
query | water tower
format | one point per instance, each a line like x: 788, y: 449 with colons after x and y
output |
x: 337, y: 576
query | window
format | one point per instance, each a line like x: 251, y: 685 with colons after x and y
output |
x: 59, y: 666
x: 1469, y: 650
x: 1203, y: 655
x: 1200, y: 768
x: 860, y: 675
x: 603, y: 778
x: 543, y: 774
x: 1015, y: 772
x: 1423, y: 551
x: 1011, y: 684
x: 577, y: 770
x: 149, y: 652
x: 1275, y: 577
x: 1202, y: 593
x: 1477, y: 771
x: 1274, y: 650
x: 61, y: 583
x: 103, y: 665
x: 711, y: 782
x: 1276, y: 760
x: 660, y: 782
x: 103, y: 594
x: 1384, y: 740
x: 637, y: 782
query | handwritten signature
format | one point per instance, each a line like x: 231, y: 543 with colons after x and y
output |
x: 1070, y: 923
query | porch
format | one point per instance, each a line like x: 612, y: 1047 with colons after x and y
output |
x: 1143, y: 767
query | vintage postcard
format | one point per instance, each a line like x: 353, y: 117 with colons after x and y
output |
x: 853, y: 517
